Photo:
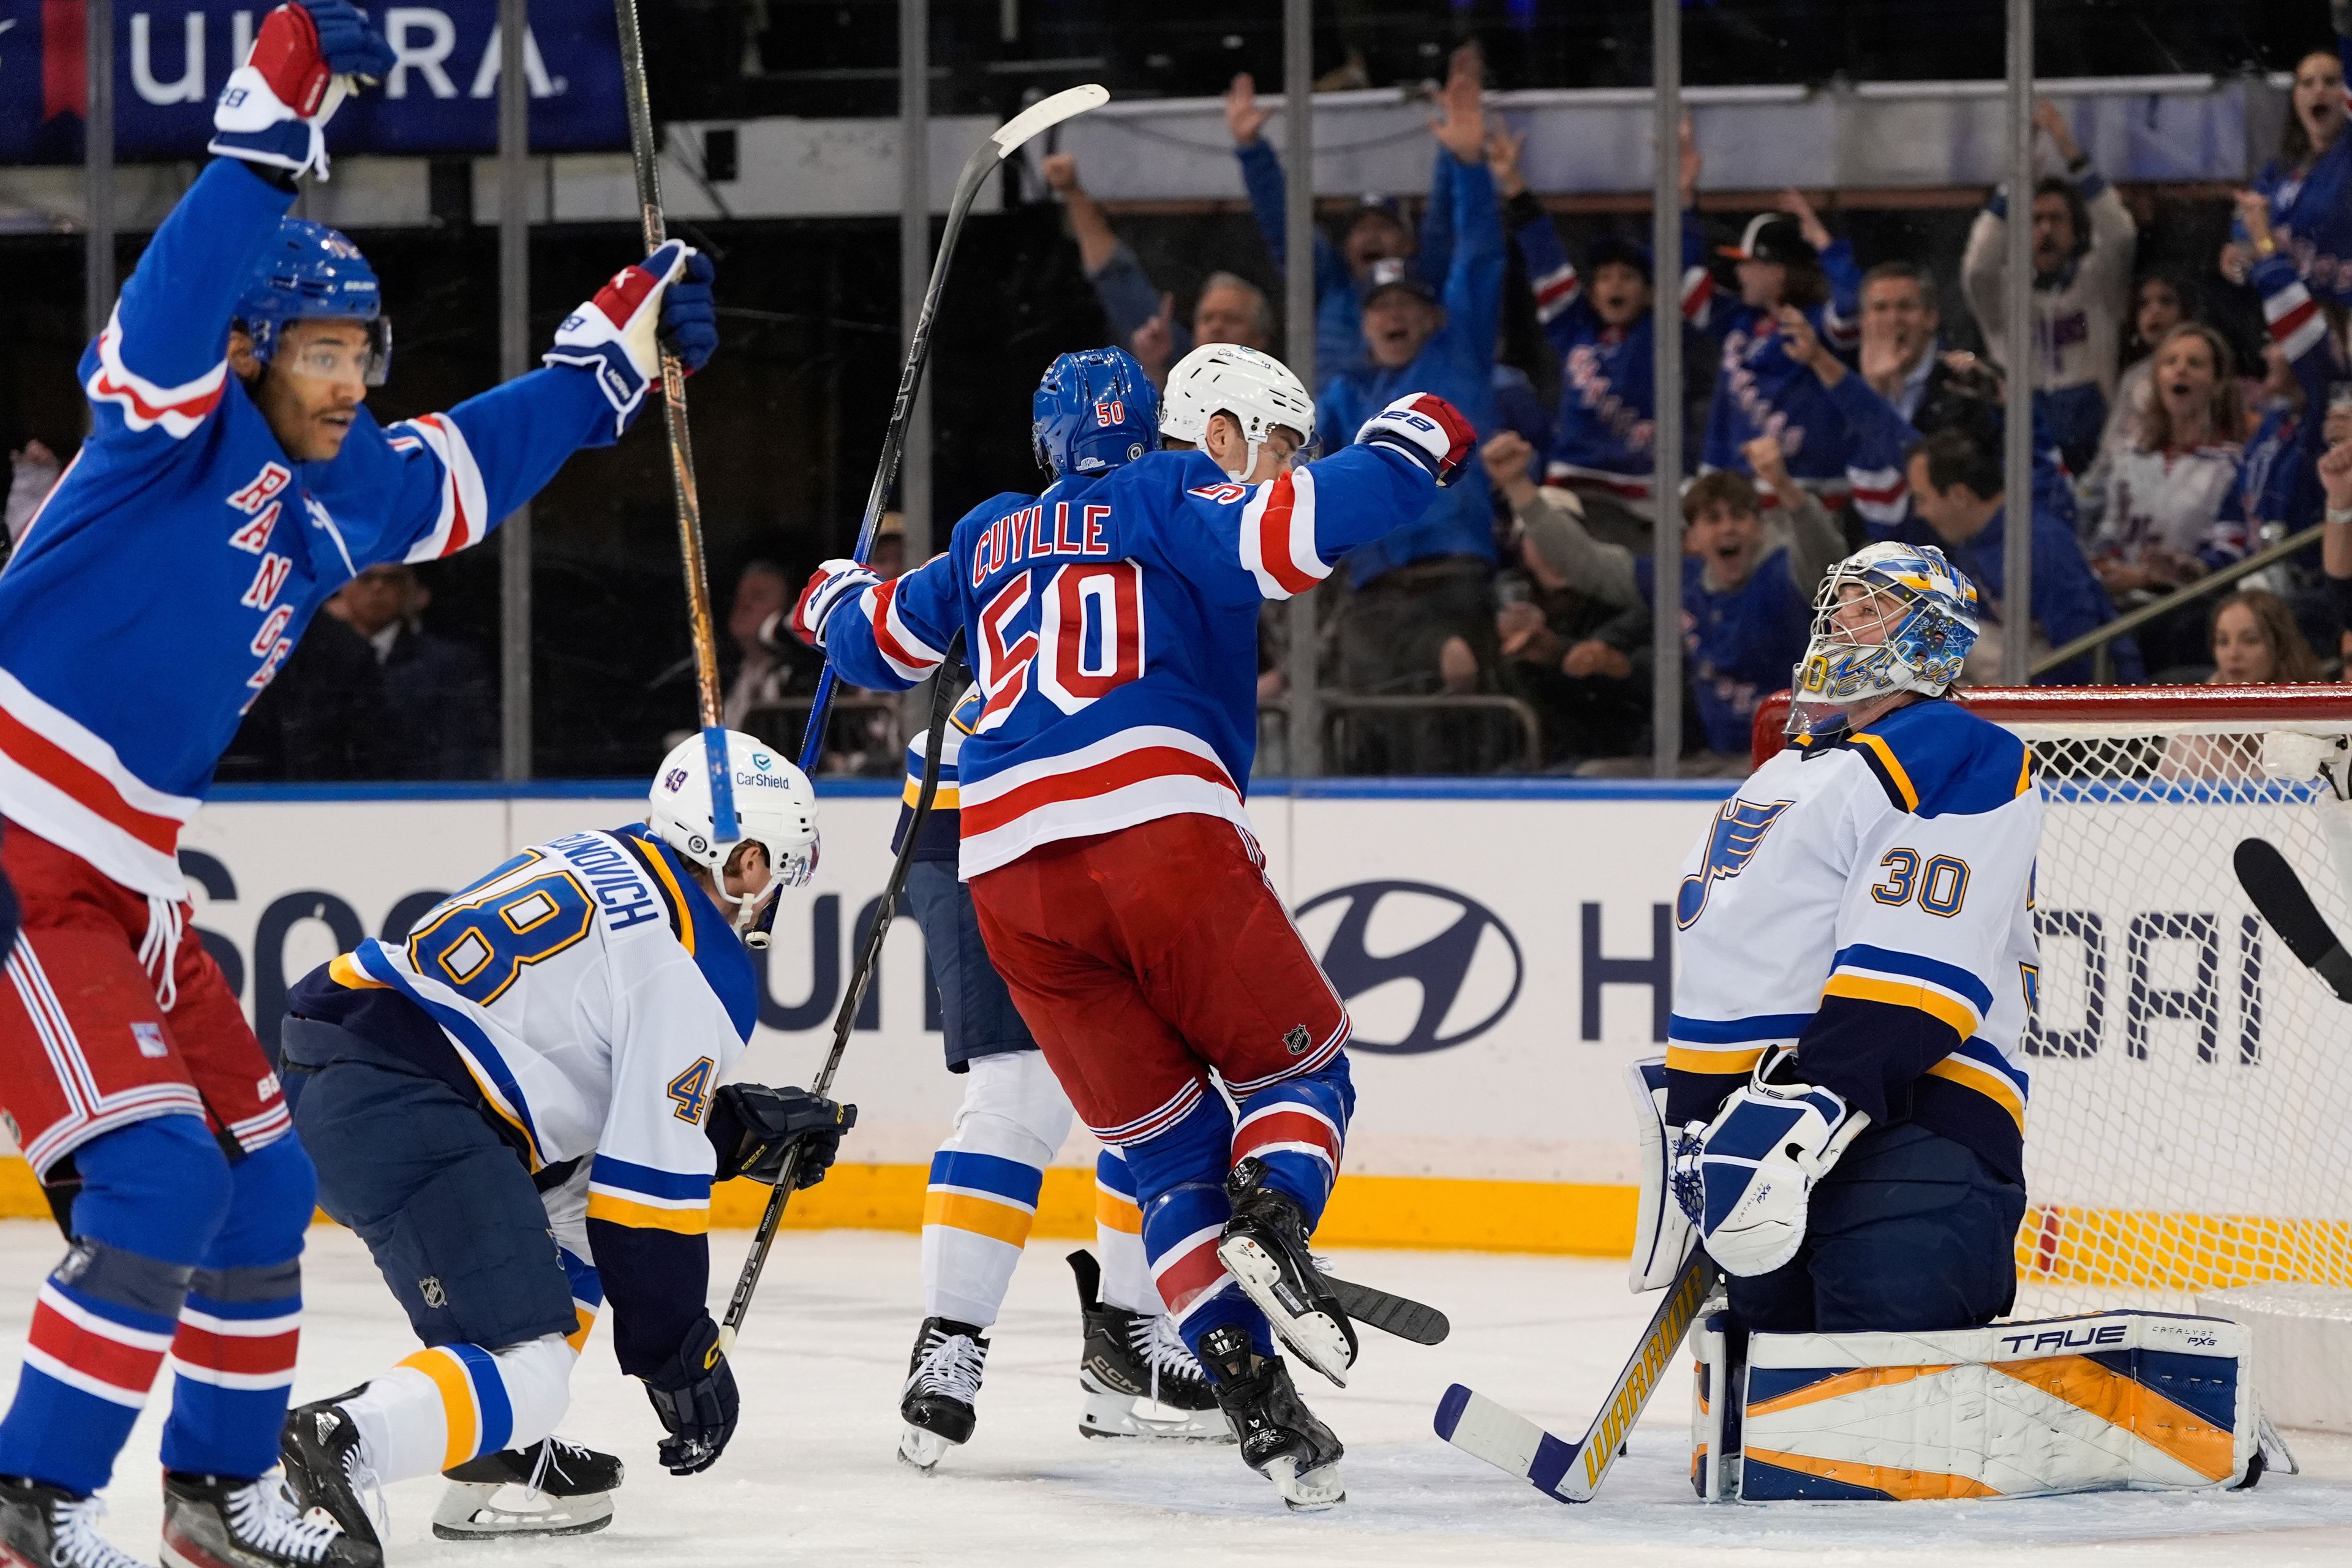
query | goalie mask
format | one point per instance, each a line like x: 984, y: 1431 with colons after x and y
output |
x: 1889, y: 618
x: 775, y: 807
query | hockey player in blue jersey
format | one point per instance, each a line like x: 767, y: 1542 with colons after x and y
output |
x: 1138, y: 1379
x: 519, y: 1109
x: 1114, y: 622
x: 233, y: 481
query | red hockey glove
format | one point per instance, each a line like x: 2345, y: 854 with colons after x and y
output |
x: 1426, y: 428
x: 275, y: 107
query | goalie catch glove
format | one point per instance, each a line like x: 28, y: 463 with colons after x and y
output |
x: 754, y: 1129
x: 1753, y: 1169
x: 1426, y: 428
x: 619, y: 335
x: 694, y: 1394
x: 273, y: 110
x: 828, y: 587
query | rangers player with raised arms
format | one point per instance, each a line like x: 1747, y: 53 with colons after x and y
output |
x: 233, y: 481
x: 1138, y: 1378
x: 1122, y: 894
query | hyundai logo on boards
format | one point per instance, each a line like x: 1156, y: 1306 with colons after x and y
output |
x: 1420, y: 968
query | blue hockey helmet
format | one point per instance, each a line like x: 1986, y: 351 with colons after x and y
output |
x: 1094, y: 411
x: 311, y: 272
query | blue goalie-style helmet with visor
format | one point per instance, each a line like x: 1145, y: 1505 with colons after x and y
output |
x: 1095, y: 411
x: 1889, y: 618
x: 311, y: 272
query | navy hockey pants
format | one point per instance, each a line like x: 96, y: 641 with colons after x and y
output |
x: 1910, y: 1230
x: 977, y: 1016
x: 446, y: 1207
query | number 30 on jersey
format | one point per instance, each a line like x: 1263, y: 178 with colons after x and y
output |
x: 1084, y: 638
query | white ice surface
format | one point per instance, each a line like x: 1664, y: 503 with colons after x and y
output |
x: 811, y: 1476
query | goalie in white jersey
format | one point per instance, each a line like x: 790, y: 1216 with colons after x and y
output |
x: 1855, y: 967
x: 519, y: 1109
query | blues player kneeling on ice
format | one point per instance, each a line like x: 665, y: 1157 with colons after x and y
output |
x: 1846, y: 1108
x: 518, y: 1109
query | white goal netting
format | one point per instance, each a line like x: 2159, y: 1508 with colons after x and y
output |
x: 2190, y: 1121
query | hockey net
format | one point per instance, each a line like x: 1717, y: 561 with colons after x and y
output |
x: 2189, y: 1126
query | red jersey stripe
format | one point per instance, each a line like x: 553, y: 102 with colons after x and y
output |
x: 88, y: 788
x: 1118, y: 772
x: 1273, y: 539
x: 131, y: 1368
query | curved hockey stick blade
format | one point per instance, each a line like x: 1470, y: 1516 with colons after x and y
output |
x: 1044, y: 114
x: 2286, y: 904
x: 1390, y: 1313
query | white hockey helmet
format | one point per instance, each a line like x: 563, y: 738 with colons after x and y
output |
x: 774, y: 805
x: 1256, y: 389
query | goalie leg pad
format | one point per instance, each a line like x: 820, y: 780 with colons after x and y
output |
x: 2114, y: 1401
x: 1660, y: 1229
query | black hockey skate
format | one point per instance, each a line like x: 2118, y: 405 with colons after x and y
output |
x: 1265, y: 1249
x: 566, y: 1490
x: 49, y: 1526
x: 1280, y: 1437
x: 220, y: 1522
x: 319, y: 1449
x: 1140, y: 1379
x: 942, y: 1383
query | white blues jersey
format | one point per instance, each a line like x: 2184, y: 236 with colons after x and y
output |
x: 594, y: 997
x: 1869, y: 900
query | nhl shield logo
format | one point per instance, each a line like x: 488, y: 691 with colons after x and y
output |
x: 430, y: 1288
x: 1295, y: 1039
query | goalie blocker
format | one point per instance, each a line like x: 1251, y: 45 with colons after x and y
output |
x: 2106, y: 1402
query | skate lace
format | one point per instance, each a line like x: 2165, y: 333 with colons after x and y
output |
x: 1161, y: 1348
x: 79, y: 1544
x: 368, y: 1487
x: 951, y: 1365
x: 262, y: 1516
x: 549, y: 1457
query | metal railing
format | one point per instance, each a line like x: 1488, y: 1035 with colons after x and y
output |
x: 2096, y: 642
x: 1333, y: 707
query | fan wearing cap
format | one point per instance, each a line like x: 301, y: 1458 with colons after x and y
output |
x: 1598, y: 324
x: 2084, y: 243
x: 1785, y: 258
x: 1376, y: 230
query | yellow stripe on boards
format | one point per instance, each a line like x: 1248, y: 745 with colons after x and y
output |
x: 644, y: 1216
x: 962, y: 1211
x: 1115, y: 1213
x: 1905, y: 993
x: 448, y: 1375
x: 2140, y: 1249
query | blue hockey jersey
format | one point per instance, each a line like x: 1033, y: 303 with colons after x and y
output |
x: 1759, y: 390
x: 2279, y: 481
x: 2311, y: 210
x: 184, y: 552
x: 1608, y: 402
x: 1112, y: 624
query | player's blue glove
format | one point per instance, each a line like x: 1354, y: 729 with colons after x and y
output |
x: 617, y: 335
x: 1426, y: 428
x: 694, y: 1394
x: 829, y: 587
x: 1757, y: 1160
x: 690, y: 321
x: 275, y: 107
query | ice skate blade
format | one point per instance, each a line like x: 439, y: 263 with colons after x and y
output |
x: 922, y: 1449
x: 466, y: 1513
x: 1119, y: 1415
x: 1309, y: 1493
x: 1320, y: 1343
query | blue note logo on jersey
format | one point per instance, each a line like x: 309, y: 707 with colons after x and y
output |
x: 1738, y: 832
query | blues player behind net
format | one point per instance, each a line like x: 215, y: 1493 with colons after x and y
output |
x: 232, y: 479
x: 519, y: 1109
x: 1138, y: 1379
x: 1114, y: 622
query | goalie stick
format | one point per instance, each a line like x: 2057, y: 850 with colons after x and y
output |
x: 2286, y: 904
x: 1572, y: 1473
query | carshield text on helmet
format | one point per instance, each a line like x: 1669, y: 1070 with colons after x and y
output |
x: 775, y: 807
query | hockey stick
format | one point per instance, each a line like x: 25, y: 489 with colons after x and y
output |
x: 646, y: 157
x: 2286, y: 903
x: 1509, y: 1441
x: 1388, y: 1312
x: 1001, y: 144
x: 861, y: 975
